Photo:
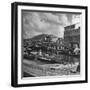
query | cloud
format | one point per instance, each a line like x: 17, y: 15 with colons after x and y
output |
x: 35, y: 23
x: 76, y: 19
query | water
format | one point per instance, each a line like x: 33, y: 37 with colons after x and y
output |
x: 61, y: 59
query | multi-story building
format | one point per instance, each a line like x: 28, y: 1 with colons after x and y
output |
x: 72, y: 35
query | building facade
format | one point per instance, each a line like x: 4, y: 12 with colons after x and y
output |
x: 72, y: 35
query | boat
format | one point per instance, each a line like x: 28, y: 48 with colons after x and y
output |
x: 29, y: 56
x: 46, y: 59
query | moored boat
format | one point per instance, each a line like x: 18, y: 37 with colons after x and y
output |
x: 45, y: 59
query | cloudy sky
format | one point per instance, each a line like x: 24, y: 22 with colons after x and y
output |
x: 35, y: 23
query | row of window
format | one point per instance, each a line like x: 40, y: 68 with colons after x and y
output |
x: 76, y: 31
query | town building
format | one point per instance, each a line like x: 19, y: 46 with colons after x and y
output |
x: 72, y: 35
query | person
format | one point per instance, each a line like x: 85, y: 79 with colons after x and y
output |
x: 40, y: 52
x: 76, y: 50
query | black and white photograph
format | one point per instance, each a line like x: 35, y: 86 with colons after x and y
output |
x: 50, y: 44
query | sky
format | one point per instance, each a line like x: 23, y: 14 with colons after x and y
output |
x: 35, y: 23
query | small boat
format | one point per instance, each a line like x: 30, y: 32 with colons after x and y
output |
x: 45, y: 59
x: 30, y: 57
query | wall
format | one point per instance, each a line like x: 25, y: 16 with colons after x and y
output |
x: 5, y: 46
x: 72, y: 34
